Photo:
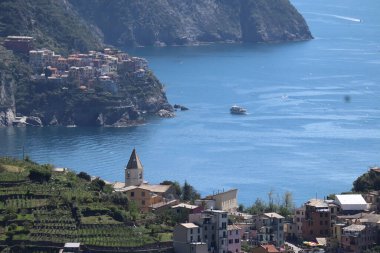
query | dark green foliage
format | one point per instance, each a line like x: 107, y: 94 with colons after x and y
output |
x: 119, y: 198
x: 47, y: 72
x: 97, y: 184
x: 285, y: 207
x: 52, y: 23
x: 375, y: 249
x: 39, y: 175
x: 117, y: 214
x: 84, y: 176
x: 189, y: 193
x: 367, y: 182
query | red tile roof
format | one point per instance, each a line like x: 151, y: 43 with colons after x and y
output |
x: 270, y: 248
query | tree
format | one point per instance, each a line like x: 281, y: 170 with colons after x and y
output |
x: 47, y: 72
x: 97, y: 184
x: 39, y: 175
x: 84, y: 176
x: 258, y: 207
x: 189, y: 193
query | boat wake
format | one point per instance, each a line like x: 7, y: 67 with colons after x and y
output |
x: 357, y: 20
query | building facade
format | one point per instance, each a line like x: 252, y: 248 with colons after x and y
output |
x: 187, y: 238
x: 234, y: 239
x: 214, y: 227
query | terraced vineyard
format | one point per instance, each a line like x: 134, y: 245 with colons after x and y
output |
x: 63, y: 207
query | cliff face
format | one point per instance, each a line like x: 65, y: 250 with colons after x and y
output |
x: 180, y: 22
x: 7, y: 88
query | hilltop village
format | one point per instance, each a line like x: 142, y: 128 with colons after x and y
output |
x: 134, y: 214
x: 107, y: 87
x: 84, y: 69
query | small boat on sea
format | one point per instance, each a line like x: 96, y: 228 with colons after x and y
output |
x: 235, y: 109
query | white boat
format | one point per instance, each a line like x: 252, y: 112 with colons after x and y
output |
x: 235, y: 109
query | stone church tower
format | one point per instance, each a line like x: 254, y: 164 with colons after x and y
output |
x: 134, y: 172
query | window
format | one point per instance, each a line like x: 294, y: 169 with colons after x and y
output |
x: 143, y: 194
x: 128, y: 174
x: 143, y: 202
x: 236, y: 240
x: 298, y: 219
x: 140, y: 175
x: 326, y: 215
x: 191, y: 231
x: 199, y: 230
x: 237, y: 232
x: 230, y: 232
x: 132, y: 194
x: 230, y: 241
x: 326, y: 222
x: 191, y: 238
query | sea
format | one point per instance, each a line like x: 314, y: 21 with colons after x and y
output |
x: 313, y: 122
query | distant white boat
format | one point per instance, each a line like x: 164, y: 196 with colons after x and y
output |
x: 235, y: 109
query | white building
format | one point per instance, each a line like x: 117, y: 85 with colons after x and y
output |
x: 351, y: 202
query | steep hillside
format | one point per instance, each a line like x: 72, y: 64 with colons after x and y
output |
x: 12, y: 72
x: 173, y: 22
x: 54, y: 24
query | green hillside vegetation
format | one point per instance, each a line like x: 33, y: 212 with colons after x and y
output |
x: 369, y: 181
x: 52, y: 23
x: 39, y: 206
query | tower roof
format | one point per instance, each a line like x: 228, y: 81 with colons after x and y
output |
x: 134, y: 161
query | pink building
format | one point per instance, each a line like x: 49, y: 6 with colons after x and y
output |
x: 234, y: 239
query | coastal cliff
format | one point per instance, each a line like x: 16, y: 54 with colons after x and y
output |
x: 173, y: 22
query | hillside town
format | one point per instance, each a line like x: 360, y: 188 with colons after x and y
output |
x: 349, y: 223
x: 82, y: 69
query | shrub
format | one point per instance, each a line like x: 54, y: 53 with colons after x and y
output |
x: 84, y: 176
x: 39, y: 176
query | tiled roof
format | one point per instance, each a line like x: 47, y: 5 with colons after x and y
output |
x: 189, y: 225
x: 270, y: 248
x: 233, y: 227
x: 354, y: 228
x: 155, y: 187
x: 274, y: 215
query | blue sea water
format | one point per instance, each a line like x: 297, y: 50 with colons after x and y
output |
x: 313, y: 124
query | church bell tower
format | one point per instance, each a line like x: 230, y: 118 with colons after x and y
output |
x: 134, y: 172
